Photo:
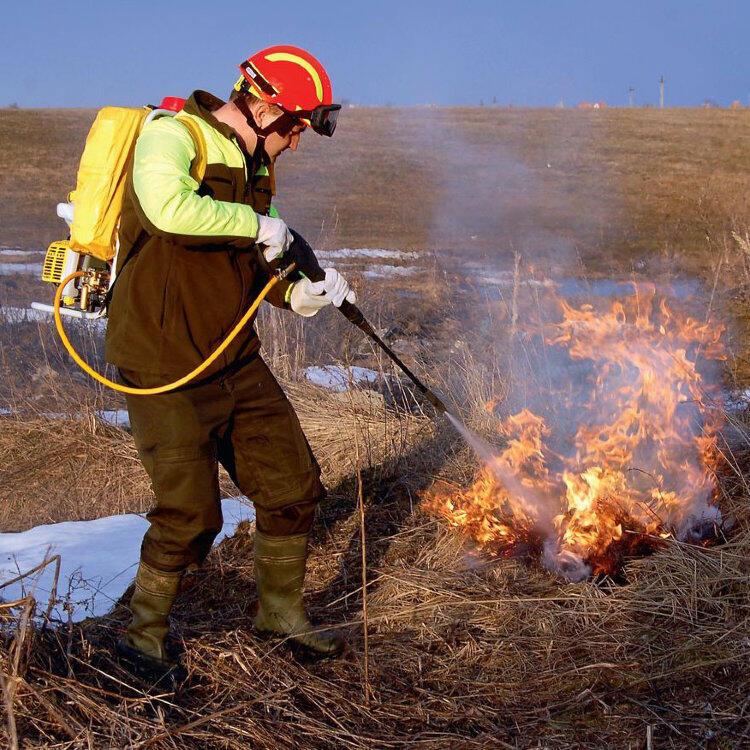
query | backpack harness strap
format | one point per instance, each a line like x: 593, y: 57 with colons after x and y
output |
x: 197, y: 172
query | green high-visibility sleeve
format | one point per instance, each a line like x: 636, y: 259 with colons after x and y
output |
x: 167, y: 193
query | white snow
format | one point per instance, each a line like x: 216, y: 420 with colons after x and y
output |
x: 16, y: 315
x: 23, y: 314
x: 366, y: 252
x: 737, y: 400
x: 98, y: 559
x: 116, y: 417
x: 18, y: 251
x: 379, y: 272
x: 339, y: 379
x: 13, y: 269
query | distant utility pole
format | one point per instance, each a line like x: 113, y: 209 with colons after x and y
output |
x: 661, y: 93
x: 631, y: 96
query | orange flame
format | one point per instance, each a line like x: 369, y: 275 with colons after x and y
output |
x: 638, y: 462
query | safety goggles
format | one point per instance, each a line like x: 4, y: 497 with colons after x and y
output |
x: 322, y: 119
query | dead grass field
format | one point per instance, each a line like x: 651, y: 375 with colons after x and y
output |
x: 620, y: 185
x: 464, y: 651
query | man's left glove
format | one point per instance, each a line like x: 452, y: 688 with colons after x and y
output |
x: 307, y: 297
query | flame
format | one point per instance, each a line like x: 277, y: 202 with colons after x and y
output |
x: 625, y: 457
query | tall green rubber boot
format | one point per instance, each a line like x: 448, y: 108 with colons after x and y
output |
x: 143, y: 645
x: 280, y: 575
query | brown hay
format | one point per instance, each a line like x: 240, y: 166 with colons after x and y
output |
x: 79, y: 467
x: 65, y: 469
x: 464, y: 652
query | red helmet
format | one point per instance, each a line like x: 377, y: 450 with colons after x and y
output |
x: 294, y: 80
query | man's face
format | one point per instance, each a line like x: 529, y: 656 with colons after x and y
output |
x: 287, y: 137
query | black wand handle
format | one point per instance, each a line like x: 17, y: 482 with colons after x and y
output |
x: 307, y: 264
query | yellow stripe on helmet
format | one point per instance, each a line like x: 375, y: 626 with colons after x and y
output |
x: 288, y: 57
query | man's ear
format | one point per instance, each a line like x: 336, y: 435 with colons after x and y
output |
x: 260, y: 109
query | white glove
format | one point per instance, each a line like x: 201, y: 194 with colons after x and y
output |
x: 308, y: 297
x: 275, y: 235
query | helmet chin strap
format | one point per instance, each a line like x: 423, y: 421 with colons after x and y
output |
x: 244, y: 108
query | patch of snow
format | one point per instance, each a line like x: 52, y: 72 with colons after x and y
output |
x: 505, y: 279
x: 366, y: 252
x: 339, y: 379
x: 737, y: 400
x: 17, y: 315
x: 18, y: 251
x: 116, y: 417
x: 15, y: 269
x: 98, y: 559
x: 571, y: 286
x: 380, y: 272
x: 23, y: 315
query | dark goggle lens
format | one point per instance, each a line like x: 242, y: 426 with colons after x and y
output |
x: 323, y: 119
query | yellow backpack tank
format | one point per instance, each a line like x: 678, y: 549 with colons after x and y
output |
x: 102, y: 172
x: 93, y: 213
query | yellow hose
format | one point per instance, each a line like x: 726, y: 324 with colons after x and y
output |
x: 162, y: 388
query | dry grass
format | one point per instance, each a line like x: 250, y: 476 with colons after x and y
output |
x: 613, y: 186
x: 67, y: 469
x: 39, y: 152
x: 77, y: 467
x: 464, y: 652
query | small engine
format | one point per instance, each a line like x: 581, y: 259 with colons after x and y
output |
x: 85, y: 296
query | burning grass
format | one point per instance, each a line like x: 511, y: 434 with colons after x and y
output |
x: 463, y: 650
x: 626, y: 452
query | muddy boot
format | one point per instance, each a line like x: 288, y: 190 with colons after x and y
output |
x: 279, y: 576
x: 143, y: 646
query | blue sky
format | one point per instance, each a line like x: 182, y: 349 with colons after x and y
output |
x: 524, y: 52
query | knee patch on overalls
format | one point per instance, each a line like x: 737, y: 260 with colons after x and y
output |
x: 187, y: 516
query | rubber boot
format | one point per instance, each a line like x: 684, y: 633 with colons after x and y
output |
x: 279, y: 576
x: 143, y: 645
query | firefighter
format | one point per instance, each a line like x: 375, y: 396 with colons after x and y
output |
x: 192, y: 257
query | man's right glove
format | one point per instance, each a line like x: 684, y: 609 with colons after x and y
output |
x: 307, y: 297
x: 275, y: 235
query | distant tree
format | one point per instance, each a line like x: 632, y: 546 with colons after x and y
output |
x: 13, y: 105
x: 709, y: 104
x: 481, y: 102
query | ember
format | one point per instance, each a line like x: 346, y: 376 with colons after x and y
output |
x: 622, y: 452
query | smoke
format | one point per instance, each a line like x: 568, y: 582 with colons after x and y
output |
x: 495, y: 183
x: 619, y: 375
